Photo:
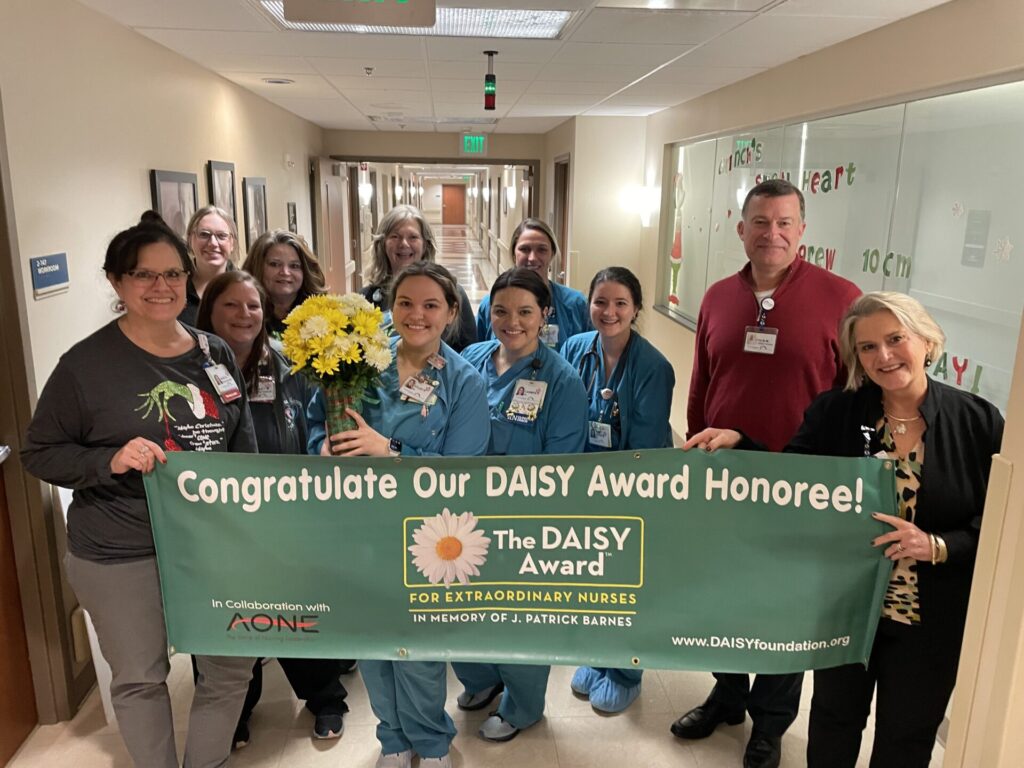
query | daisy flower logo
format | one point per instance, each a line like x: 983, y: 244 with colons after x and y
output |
x: 448, y: 548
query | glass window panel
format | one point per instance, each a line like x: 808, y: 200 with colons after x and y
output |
x: 958, y: 225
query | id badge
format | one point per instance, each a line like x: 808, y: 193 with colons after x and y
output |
x: 549, y: 335
x: 759, y: 340
x: 436, y: 362
x: 266, y: 390
x: 600, y: 434
x: 527, y: 400
x: 223, y: 382
x: 419, y: 389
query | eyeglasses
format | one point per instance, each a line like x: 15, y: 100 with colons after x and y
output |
x: 148, y: 277
x: 205, y: 235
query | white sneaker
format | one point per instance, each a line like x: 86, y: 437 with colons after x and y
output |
x: 436, y: 762
x: 396, y: 760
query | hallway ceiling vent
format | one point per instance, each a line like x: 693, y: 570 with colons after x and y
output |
x: 534, y: 24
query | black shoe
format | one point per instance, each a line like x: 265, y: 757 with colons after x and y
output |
x: 328, y: 726
x: 241, y: 737
x: 700, y: 722
x: 763, y: 751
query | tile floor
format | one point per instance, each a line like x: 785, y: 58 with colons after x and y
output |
x: 570, y: 736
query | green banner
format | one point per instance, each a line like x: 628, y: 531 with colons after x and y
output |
x: 735, y: 561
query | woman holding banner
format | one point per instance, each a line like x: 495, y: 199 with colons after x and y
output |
x: 430, y: 402
x: 629, y: 387
x: 538, y: 406
x: 234, y: 306
x: 941, y: 440
x: 139, y: 386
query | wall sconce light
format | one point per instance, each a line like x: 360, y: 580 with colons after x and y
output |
x: 365, y: 193
x: 641, y: 200
x: 421, y: 190
x: 487, y: 193
x: 399, y: 192
x: 510, y: 194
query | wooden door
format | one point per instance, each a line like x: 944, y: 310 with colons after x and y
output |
x: 453, y: 204
x: 330, y: 214
x: 17, y: 702
x: 559, y: 266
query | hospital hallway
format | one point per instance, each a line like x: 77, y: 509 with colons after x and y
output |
x: 571, y: 734
x: 461, y: 253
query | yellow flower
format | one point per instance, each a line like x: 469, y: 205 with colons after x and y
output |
x: 325, y: 365
x: 366, y: 323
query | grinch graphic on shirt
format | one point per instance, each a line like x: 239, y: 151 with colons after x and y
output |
x: 205, y: 433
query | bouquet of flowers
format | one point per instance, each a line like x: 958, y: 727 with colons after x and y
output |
x: 340, y: 343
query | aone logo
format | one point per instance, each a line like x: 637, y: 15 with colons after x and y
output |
x: 265, y: 622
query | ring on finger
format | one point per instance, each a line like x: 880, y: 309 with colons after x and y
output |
x: 899, y: 547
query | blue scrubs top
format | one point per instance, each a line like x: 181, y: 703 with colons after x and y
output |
x: 455, y: 425
x: 561, y: 424
x: 642, y: 385
x: 569, y: 311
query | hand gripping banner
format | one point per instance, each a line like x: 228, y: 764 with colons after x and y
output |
x: 734, y: 561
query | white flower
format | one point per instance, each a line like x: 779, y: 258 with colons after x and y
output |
x: 341, y: 345
x: 378, y: 356
x: 353, y: 302
x: 448, y: 548
x: 314, y: 326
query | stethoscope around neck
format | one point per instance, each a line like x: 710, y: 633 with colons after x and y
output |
x: 609, y: 392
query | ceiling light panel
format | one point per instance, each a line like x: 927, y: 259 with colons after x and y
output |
x: 451, y: 22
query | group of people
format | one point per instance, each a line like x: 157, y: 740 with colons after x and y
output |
x: 788, y: 357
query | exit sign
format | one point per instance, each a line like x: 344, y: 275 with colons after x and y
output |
x: 473, y: 144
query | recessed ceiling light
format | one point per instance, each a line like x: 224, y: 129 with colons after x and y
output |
x: 278, y: 81
x: 451, y: 22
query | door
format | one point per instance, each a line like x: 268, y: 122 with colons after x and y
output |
x: 17, y: 703
x: 559, y: 267
x: 453, y: 204
x: 354, y: 230
x: 330, y: 214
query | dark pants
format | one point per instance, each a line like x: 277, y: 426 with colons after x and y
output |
x: 772, y: 701
x: 914, y: 679
x: 316, y: 681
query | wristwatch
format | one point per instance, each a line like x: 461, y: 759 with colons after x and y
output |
x: 394, y: 447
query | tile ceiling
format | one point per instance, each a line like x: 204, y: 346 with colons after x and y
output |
x: 615, y: 57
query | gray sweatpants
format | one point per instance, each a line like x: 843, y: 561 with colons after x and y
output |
x: 124, y: 602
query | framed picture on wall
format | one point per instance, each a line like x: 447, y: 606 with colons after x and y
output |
x: 220, y: 179
x: 175, y: 197
x: 254, y: 196
x: 293, y: 219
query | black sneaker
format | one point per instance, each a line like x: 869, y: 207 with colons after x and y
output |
x: 241, y: 737
x: 328, y: 726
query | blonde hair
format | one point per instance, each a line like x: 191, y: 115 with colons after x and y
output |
x: 910, y: 313
x: 193, y: 225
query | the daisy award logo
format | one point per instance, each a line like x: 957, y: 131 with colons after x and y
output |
x: 448, y: 548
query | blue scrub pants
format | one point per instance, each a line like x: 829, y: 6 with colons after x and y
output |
x: 522, y: 704
x: 408, y: 698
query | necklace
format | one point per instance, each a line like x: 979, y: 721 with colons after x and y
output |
x: 900, y: 425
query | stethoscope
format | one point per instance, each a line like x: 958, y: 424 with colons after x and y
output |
x: 607, y: 393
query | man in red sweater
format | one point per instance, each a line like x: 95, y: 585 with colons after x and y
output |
x: 766, y: 346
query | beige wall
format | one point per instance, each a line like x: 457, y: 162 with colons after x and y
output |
x: 951, y: 47
x: 558, y: 143
x: 90, y: 108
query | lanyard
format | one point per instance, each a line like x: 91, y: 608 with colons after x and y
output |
x: 764, y: 306
x: 204, y: 345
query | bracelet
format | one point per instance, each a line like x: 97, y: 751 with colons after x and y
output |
x: 935, y: 547
x: 943, y: 550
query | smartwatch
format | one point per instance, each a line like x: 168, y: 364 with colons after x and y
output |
x: 394, y: 447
